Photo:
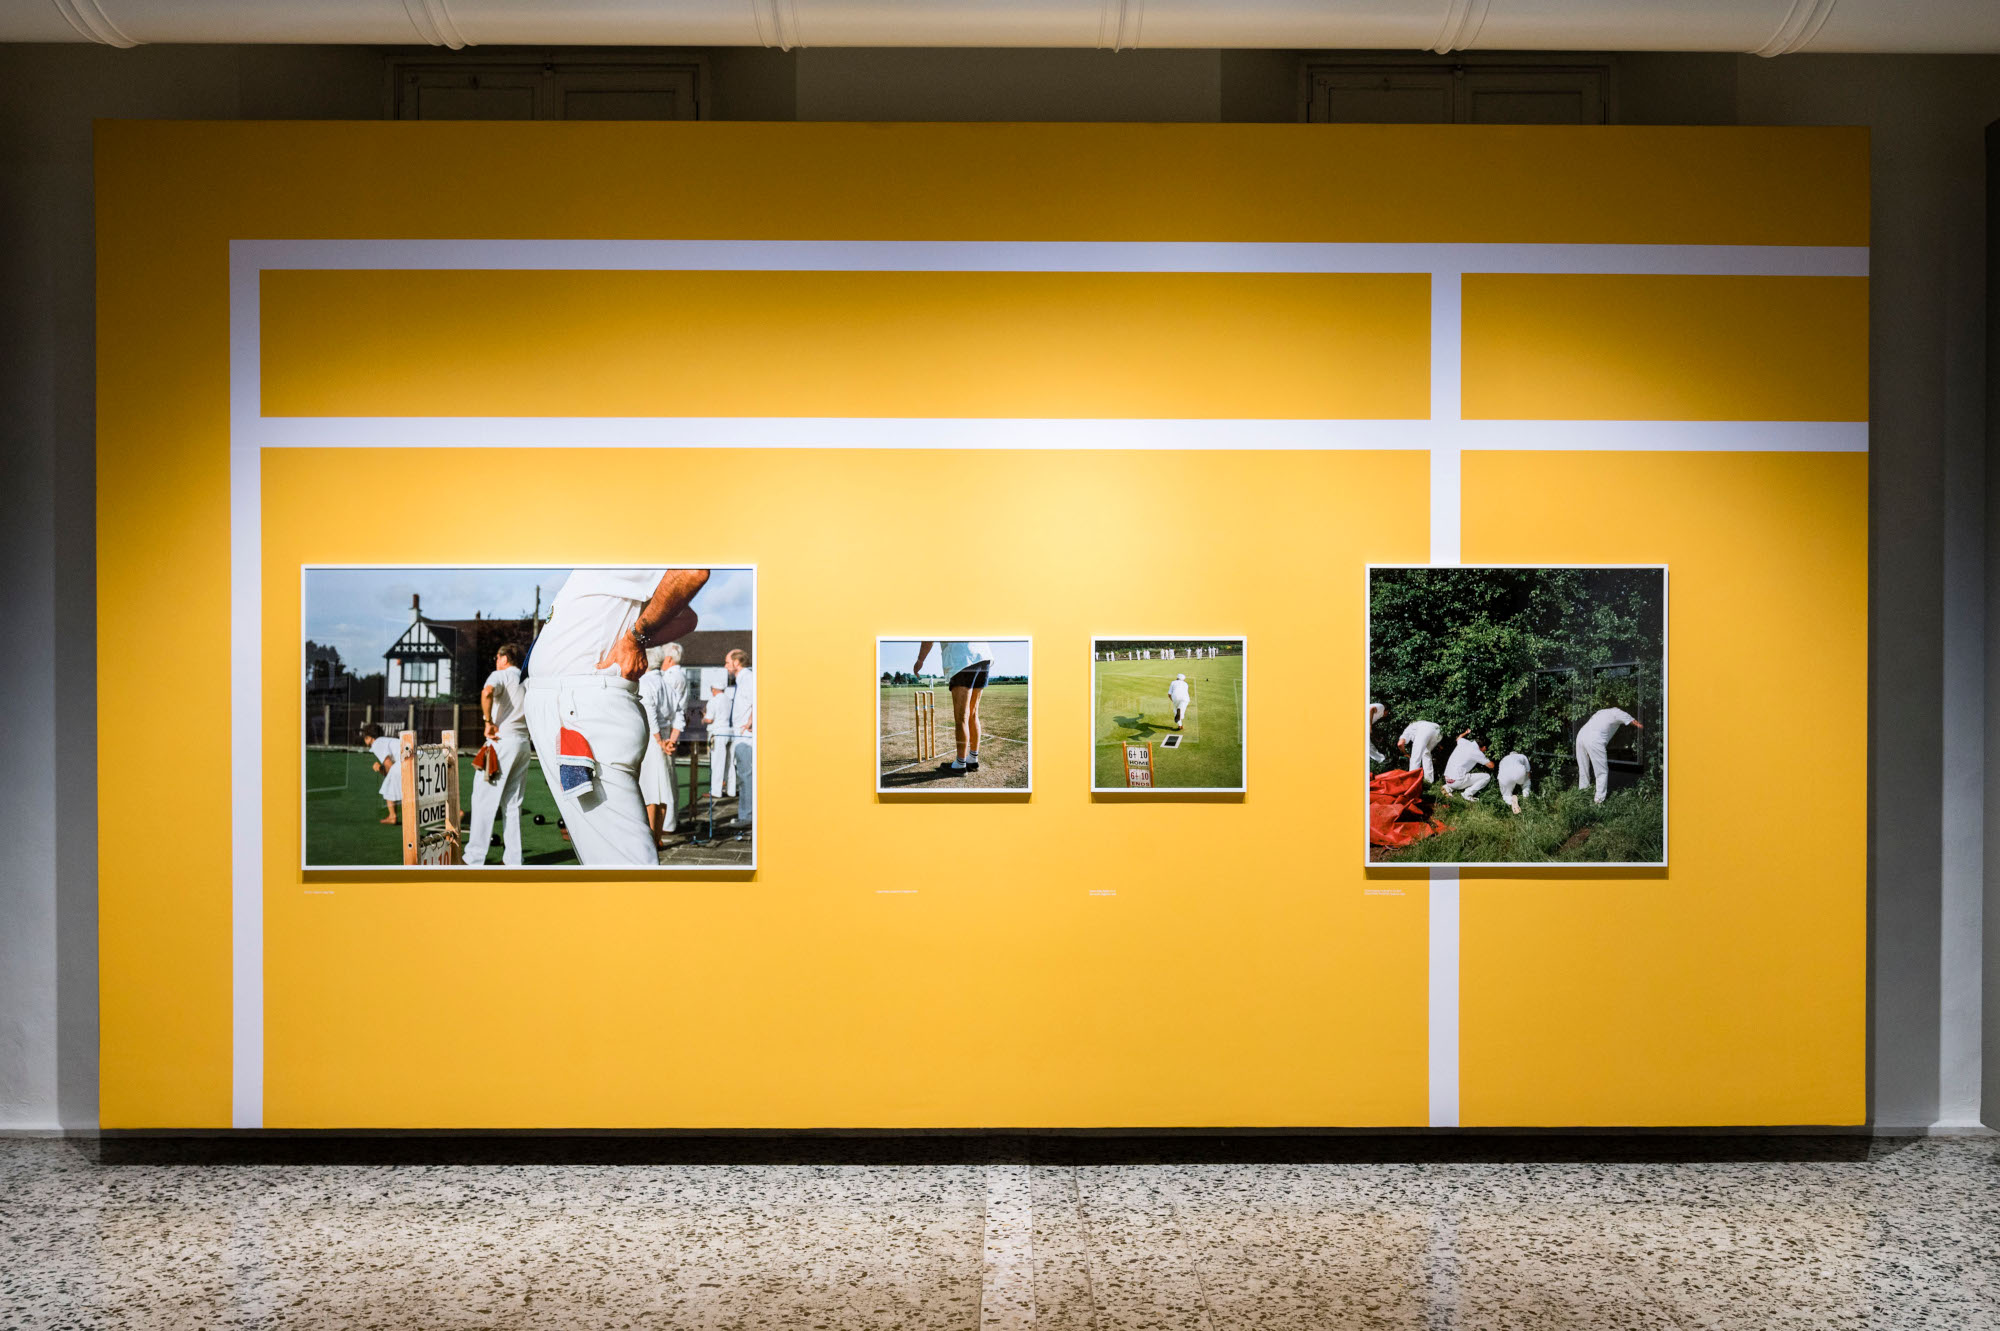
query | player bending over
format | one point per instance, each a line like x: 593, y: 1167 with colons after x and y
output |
x: 1459, y: 778
x: 1420, y: 737
x: 1514, y: 782
x: 1591, y: 742
x: 384, y: 752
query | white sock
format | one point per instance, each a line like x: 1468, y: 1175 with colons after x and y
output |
x: 958, y: 762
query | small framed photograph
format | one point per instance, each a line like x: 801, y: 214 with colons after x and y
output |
x: 953, y: 715
x: 1517, y: 715
x: 1168, y: 714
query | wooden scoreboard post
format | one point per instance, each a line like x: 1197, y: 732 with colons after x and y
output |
x: 1139, y: 765
x: 431, y: 832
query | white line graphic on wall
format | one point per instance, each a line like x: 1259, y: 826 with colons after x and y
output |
x: 1443, y: 435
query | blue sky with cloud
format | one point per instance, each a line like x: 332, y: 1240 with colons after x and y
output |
x: 361, y: 611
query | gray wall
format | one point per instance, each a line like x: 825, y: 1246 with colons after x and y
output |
x: 1928, y: 553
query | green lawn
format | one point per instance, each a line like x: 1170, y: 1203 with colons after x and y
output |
x: 1131, y: 704
x: 1560, y: 826
x: 342, y: 813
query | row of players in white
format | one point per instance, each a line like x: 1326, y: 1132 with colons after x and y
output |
x: 591, y: 676
x: 1420, y: 737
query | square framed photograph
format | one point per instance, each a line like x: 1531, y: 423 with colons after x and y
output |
x: 1168, y: 714
x: 502, y: 716
x: 1517, y: 715
x: 954, y: 715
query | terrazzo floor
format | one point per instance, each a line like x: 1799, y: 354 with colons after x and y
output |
x: 969, y: 1233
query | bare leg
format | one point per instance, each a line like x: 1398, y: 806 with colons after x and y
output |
x: 972, y: 718
x: 392, y: 811
x: 961, y: 699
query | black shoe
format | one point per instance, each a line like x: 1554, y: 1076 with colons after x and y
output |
x: 972, y: 764
x: 948, y: 769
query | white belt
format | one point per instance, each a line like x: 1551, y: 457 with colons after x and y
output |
x: 583, y: 682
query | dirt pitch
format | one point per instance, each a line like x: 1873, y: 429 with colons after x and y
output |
x: 1003, y: 752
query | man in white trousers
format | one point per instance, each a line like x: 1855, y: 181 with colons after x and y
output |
x: 1376, y: 711
x: 1459, y: 777
x: 743, y: 720
x: 1514, y: 781
x: 664, y: 694
x: 1420, y: 737
x: 721, y: 743
x: 502, y: 705
x: 583, y: 701
x: 1591, y: 742
x: 1177, y: 694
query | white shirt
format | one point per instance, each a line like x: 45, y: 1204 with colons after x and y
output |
x: 715, y: 714
x: 508, y: 713
x: 1177, y: 692
x: 385, y: 749
x: 595, y: 608
x: 1465, y: 756
x: 958, y: 655
x: 665, y: 693
x: 1599, y: 729
x: 1421, y: 735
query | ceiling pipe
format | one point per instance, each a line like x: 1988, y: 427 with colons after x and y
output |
x: 1762, y: 27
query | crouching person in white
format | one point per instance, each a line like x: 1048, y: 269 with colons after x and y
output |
x: 1459, y: 778
x: 583, y: 702
x: 1514, y: 781
x: 1590, y: 746
x: 502, y: 702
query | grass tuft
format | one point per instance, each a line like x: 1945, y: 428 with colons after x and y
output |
x: 1557, y: 827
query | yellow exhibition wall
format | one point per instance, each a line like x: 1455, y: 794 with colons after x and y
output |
x: 1249, y: 971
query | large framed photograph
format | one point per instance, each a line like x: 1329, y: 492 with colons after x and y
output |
x: 497, y: 716
x: 1517, y: 715
x: 953, y: 715
x: 1167, y: 714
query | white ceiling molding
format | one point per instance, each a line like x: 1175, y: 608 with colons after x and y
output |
x: 1118, y: 24
x: 1462, y: 21
x: 1764, y: 27
x: 432, y: 20
x: 1801, y: 25
x: 91, y: 23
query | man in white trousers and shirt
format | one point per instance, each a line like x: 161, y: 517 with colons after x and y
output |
x: 589, y: 730
x: 1177, y: 694
x: 1591, y: 742
x: 1459, y: 777
x: 664, y: 693
x: 1420, y: 737
x: 721, y: 744
x: 503, y: 705
x: 743, y: 722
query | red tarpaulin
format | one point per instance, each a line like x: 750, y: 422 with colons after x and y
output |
x: 1399, y: 812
